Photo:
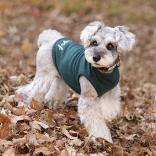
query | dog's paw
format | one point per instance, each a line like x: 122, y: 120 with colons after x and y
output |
x: 52, y: 103
x: 22, y: 97
x: 101, y: 132
x: 94, y: 139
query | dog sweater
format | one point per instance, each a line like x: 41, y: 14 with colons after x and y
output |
x: 68, y: 57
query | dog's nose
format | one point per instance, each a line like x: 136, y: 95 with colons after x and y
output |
x: 96, y: 58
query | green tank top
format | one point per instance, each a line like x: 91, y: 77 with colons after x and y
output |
x: 68, y: 57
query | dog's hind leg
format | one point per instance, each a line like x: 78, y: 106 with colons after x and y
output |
x: 45, y: 73
x: 56, y: 94
x: 45, y: 69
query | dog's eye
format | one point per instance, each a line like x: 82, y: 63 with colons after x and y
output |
x: 111, y: 46
x: 94, y: 43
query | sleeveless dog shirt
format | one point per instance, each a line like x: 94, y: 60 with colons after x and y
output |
x: 68, y: 57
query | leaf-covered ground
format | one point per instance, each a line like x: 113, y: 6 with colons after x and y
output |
x: 37, y: 130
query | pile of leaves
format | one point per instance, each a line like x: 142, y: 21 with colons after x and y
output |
x: 35, y: 129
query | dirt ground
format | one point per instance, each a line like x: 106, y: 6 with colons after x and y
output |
x: 37, y: 130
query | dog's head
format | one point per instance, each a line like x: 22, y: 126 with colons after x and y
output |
x: 103, y: 44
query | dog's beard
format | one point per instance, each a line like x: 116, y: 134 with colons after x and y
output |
x: 105, y: 65
x: 110, y: 68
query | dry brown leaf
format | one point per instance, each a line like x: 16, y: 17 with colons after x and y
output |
x: 76, y: 142
x: 64, y: 153
x: 15, y: 119
x: 150, y: 134
x: 19, y: 140
x: 66, y: 133
x: 18, y: 111
x: 26, y: 45
x: 43, y: 125
x: 43, y: 150
x: 30, y: 111
x: 35, y: 125
x: 152, y: 111
x: 118, y: 151
x: 47, y: 115
x: 95, y: 154
x: 5, y: 143
x: 9, y: 152
x: 36, y: 105
x: 130, y: 137
x: 2, y: 33
x: 11, y: 98
x: 22, y: 126
x: 8, y: 106
x: 141, y: 151
x: 60, y: 144
x: 41, y: 138
x: 4, y: 132
x: 71, y: 151
x: 17, y: 80
x: 71, y: 114
x: 6, y: 123
x: 31, y: 138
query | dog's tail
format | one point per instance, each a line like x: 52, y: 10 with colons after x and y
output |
x: 48, y: 36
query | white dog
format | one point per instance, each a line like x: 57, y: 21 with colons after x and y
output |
x: 97, y: 60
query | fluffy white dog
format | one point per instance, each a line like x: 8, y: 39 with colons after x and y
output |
x: 91, y: 70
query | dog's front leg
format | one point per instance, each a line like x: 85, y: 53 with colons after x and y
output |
x: 90, y: 113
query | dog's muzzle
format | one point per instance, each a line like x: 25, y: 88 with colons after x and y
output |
x: 109, y: 69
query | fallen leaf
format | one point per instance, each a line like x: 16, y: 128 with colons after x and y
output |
x: 8, y: 106
x: 10, y: 98
x: 30, y: 111
x: 118, y: 151
x: 71, y: 114
x: 15, y: 119
x: 41, y: 124
x: 151, y: 134
x: 131, y: 137
x: 6, y: 123
x: 60, y: 144
x: 35, y: 125
x: 76, y: 142
x: 9, y: 152
x: 71, y: 151
x: 18, y: 111
x: 19, y: 140
x: 5, y: 143
x: 66, y: 133
x: 47, y: 115
x: 26, y: 45
x: 42, y: 150
x: 41, y: 138
x: 22, y: 126
x: 31, y: 138
x: 64, y: 153
x: 36, y: 105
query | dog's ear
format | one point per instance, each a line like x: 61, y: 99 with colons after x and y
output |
x: 125, y: 39
x: 91, y: 29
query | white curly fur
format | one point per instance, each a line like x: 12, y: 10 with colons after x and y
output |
x: 49, y: 88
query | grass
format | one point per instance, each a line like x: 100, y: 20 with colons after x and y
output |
x: 129, y: 11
